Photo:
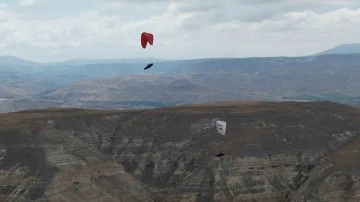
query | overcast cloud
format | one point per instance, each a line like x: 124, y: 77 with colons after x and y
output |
x: 43, y: 30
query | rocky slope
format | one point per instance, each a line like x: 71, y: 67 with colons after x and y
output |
x: 273, y: 152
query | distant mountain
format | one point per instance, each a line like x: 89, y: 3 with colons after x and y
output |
x: 12, y: 60
x: 139, y: 89
x: 330, y: 77
x: 78, y: 61
x: 83, y: 61
x: 353, y: 48
x: 327, y: 77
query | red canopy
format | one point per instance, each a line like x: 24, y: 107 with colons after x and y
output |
x: 146, y: 38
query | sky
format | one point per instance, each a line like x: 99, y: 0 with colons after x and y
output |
x: 57, y: 30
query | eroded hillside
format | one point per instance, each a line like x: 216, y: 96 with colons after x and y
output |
x: 273, y: 152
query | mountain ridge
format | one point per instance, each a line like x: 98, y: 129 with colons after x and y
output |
x: 13, y: 60
x: 264, y: 78
x: 331, y: 77
x: 349, y: 48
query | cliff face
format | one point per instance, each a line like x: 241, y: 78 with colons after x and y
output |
x: 273, y: 152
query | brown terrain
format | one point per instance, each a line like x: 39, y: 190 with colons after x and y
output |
x: 273, y: 152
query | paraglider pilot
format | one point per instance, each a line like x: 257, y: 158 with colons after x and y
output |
x: 148, y: 66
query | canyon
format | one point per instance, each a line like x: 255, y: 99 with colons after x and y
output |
x: 273, y: 151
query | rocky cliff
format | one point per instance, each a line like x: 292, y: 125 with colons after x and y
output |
x: 272, y: 152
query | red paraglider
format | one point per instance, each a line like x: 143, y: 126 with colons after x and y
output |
x: 146, y: 38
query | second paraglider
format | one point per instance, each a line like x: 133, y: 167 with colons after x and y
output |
x: 221, y: 127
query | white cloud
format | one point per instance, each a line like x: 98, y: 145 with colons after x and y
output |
x: 212, y: 29
x: 26, y: 3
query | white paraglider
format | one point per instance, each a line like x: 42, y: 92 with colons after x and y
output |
x: 221, y: 127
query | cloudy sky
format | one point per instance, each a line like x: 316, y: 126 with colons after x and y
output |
x: 55, y: 30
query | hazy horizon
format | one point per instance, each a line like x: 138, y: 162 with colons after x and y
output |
x: 50, y: 31
x: 165, y: 59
